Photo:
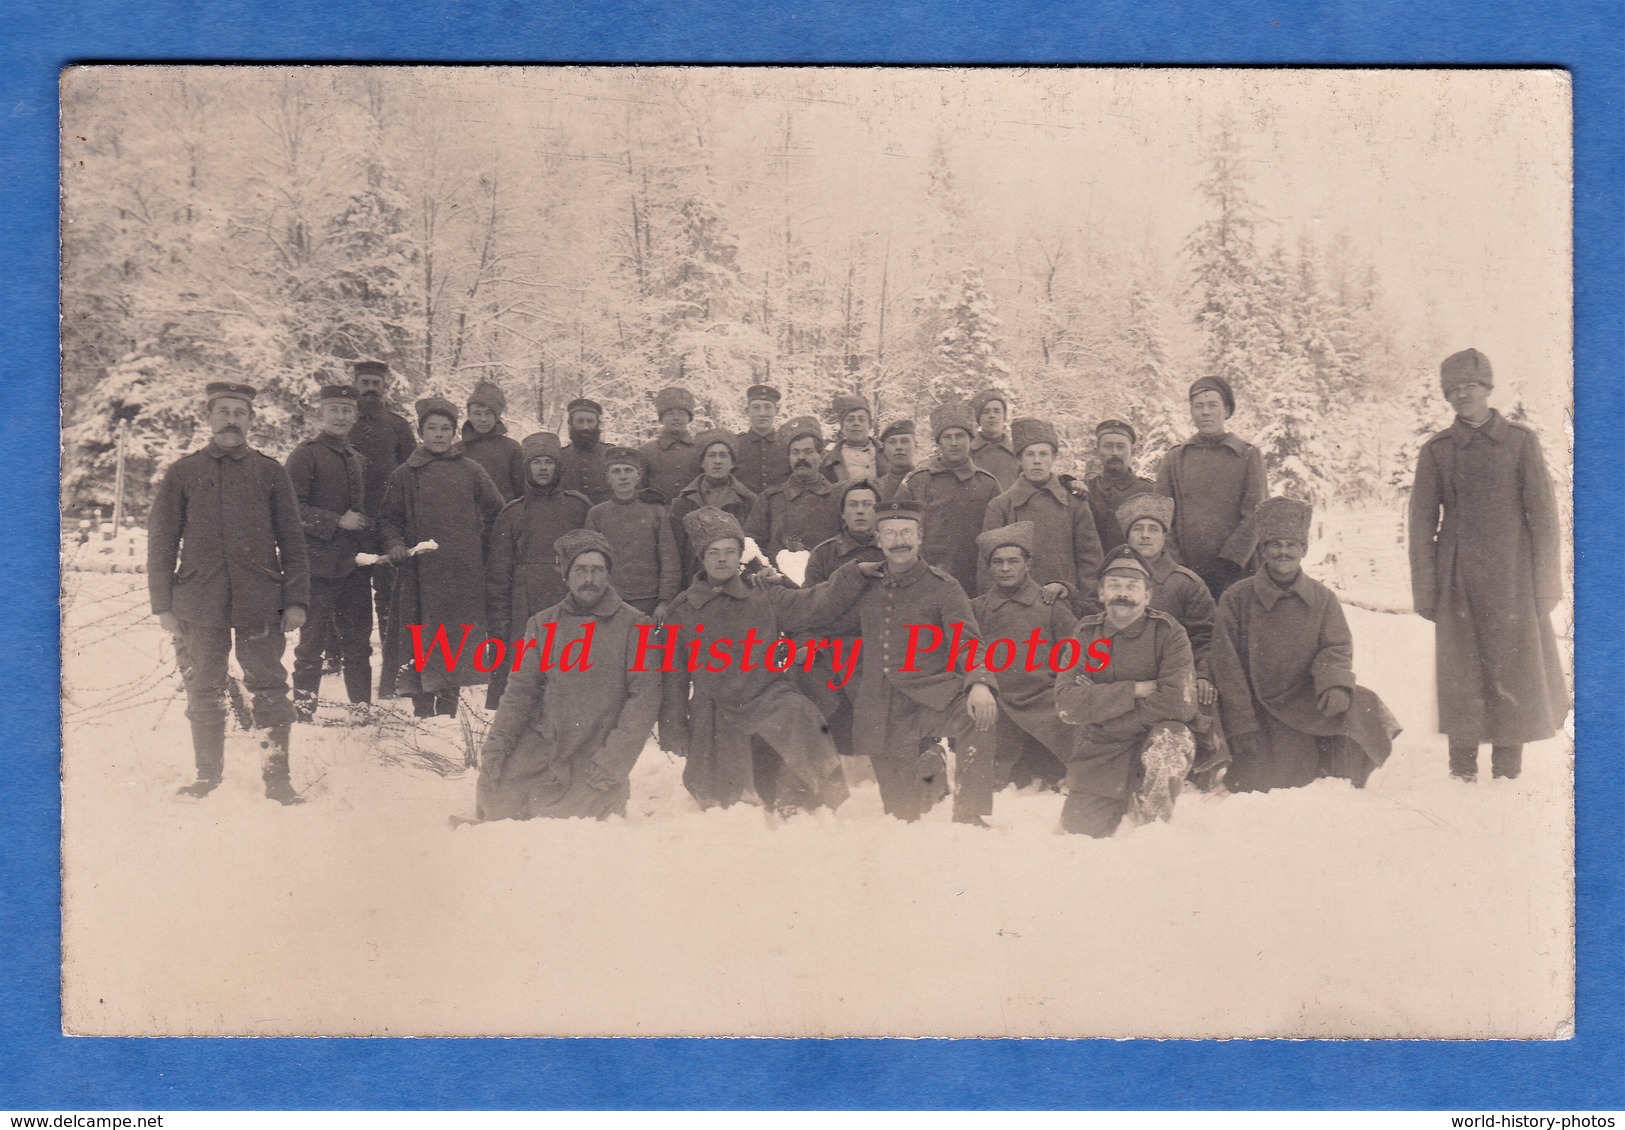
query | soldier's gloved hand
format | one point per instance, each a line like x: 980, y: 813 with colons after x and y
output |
x: 1206, y: 692
x: 398, y: 555
x: 660, y: 612
x: 982, y: 707
x: 1073, y: 484
x: 170, y: 623
x: 1335, y: 701
x: 352, y: 520
x: 293, y: 618
x: 1053, y: 591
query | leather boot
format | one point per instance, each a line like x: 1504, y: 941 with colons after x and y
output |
x: 1506, y: 761
x: 358, y: 683
x: 209, y: 752
x: 277, y: 785
x: 304, y: 705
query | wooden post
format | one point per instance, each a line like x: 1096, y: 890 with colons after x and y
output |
x: 118, y: 481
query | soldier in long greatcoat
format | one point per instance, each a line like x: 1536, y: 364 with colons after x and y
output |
x: 385, y: 441
x: 953, y: 493
x: 564, y: 742
x: 1486, y: 568
x: 227, y: 514
x: 672, y: 459
x: 798, y: 513
x: 439, y: 495
x: 1115, y: 483
x: 487, y: 442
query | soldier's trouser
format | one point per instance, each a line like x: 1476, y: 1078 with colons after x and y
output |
x: 382, y: 577
x: 202, y: 651
x: 908, y: 792
x: 793, y: 761
x: 341, y: 607
x: 1155, y: 765
x: 1092, y: 815
x: 1505, y: 760
x: 1023, y: 759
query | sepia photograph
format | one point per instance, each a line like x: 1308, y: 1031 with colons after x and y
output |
x: 817, y: 552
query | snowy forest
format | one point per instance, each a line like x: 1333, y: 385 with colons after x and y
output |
x: 587, y: 232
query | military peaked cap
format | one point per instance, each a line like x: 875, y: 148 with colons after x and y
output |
x: 346, y: 393
x: 1124, y: 559
x: 901, y: 508
x: 1116, y: 427
x: 582, y: 404
x: 620, y: 457
x: 898, y: 428
x: 762, y: 392
x: 229, y: 390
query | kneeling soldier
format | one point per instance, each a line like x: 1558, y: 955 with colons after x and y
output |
x: 229, y: 514
x: 1131, y: 748
x: 568, y: 750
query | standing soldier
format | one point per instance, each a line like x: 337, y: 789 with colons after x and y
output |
x: 581, y: 464
x: 716, y: 486
x: 1215, y: 479
x: 800, y: 512
x: 897, y: 441
x: 953, y: 493
x: 571, y: 752
x: 487, y: 442
x: 439, y: 495
x: 855, y: 454
x: 1131, y: 747
x: 523, y: 576
x: 638, y: 528
x: 1066, y: 548
x: 1283, y: 662
x: 1116, y: 481
x: 385, y: 441
x: 903, y: 706
x: 990, y: 448
x: 672, y: 459
x: 229, y: 515
x: 763, y: 460
x: 740, y: 725
x: 1146, y: 519
x: 1486, y: 569
x: 1033, y: 742
x: 329, y: 479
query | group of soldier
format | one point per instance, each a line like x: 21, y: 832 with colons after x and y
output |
x: 1225, y: 665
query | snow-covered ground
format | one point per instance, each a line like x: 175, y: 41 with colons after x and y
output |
x: 1417, y: 907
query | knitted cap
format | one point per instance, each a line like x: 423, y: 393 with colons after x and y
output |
x: 489, y: 395
x: 708, y: 525
x: 953, y: 414
x: 538, y: 444
x: 435, y: 406
x: 1016, y: 533
x: 576, y: 542
x: 1030, y: 430
x: 1218, y: 385
x: 1146, y: 506
x: 1468, y: 365
x: 1282, y: 519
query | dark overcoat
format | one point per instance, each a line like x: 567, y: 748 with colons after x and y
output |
x: 583, y: 469
x: 232, y: 520
x: 793, y: 516
x: 524, y: 577
x: 1106, y: 494
x: 501, y: 456
x: 386, y: 441
x: 1066, y: 547
x: 670, y: 463
x: 1027, y: 698
x: 450, y: 500
x: 996, y: 458
x: 1486, y: 568
x: 329, y: 476
x: 733, y: 498
x: 648, y: 565
x: 564, y: 742
x: 1215, y: 485
x: 764, y: 461
x: 955, y: 502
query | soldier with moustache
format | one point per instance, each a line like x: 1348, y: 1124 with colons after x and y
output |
x: 329, y: 478
x: 385, y: 441
x: 228, y: 516
x: 798, y: 513
x: 581, y: 462
x: 1115, y: 483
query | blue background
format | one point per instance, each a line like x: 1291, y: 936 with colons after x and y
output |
x: 40, y: 1069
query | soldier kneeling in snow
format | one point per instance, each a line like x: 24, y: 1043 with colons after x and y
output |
x: 1283, y: 662
x: 570, y: 752
x: 1132, y: 748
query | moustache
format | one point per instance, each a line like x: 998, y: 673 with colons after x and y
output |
x: 1124, y: 602
x: 797, y: 464
x: 229, y: 429
x: 1115, y: 461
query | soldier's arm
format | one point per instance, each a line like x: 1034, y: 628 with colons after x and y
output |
x: 164, y: 522
x: 1174, y: 700
x: 318, y: 524
x: 1197, y: 619
x: 1423, y: 532
x: 815, y: 606
x: 1334, y: 660
x: 955, y: 609
x: 500, y: 564
x: 290, y: 538
x: 1086, y: 556
x: 817, y: 571
x: 1082, y: 701
x: 668, y: 558
x: 522, y: 700
x: 1226, y: 672
x: 758, y: 523
x: 675, y: 733
x: 392, y: 514
x: 1239, y: 547
x: 1540, y: 513
x: 637, y: 717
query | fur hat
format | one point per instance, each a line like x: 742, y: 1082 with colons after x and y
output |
x: 1030, y: 430
x: 537, y: 444
x: 1018, y: 534
x: 1218, y: 385
x: 1282, y: 519
x: 952, y: 414
x: 1146, y: 506
x: 704, y: 440
x: 489, y: 395
x: 668, y: 398
x: 1468, y: 365
x: 576, y: 542
x: 846, y: 402
x: 792, y: 430
x: 435, y: 406
x: 708, y: 525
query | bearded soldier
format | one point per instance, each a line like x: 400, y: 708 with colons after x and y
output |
x: 229, y: 515
x: 581, y: 463
x: 385, y: 441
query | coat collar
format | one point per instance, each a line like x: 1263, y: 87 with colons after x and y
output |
x: 606, y: 608
x: 1027, y: 594
x: 835, y: 452
x: 1269, y: 593
x: 794, y: 490
x: 667, y: 442
x: 703, y: 592
x: 471, y: 436
x: 1230, y: 439
x: 422, y: 457
x: 904, y: 580
x: 1163, y: 567
x: 845, y: 543
x: 695, y: 490
x: 1024, y: 490
x: 1494, y: 428
x: 340, y: 444
x: 963, y: 473
x: 237, y: 454
x: 1133, y: 632
x: 978, y: 443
